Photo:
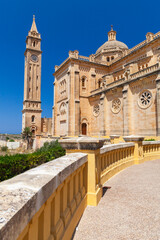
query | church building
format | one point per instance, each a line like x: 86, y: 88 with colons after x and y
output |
x: 113, y: 91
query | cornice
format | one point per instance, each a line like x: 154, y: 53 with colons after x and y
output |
x: 71, y: 60
x: 31, y: 101
x: 31, y: 110
x: 32, y: 50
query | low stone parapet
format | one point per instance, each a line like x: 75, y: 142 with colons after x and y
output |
x: 23, y: 196
x: 111, y: 147
x: 150, y: 142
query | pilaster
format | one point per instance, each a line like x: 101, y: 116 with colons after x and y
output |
x: 125, y: 110
x: 77, y: 104
x: 138, y: 150
x: 68, y: 103
x: 158, y: 104
x: 102, y: 115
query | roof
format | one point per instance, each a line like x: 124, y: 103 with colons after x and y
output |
x: 109, y: 45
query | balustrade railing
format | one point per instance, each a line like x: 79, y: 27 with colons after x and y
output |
x: 46, y: 203
x: 151, y: 150
x: 114, y: 158
x: 145, y: 71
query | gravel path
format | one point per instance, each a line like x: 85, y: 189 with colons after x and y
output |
x: 129, y: 209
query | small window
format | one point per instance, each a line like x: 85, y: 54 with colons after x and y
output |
x: 29, y: 78
x: 30, y: 68
x: 29, y: 89
x: 33, y: 118
x: 112, y: 58
x: 37, y: 77
x: 34, y: 44
x: 83, y: 82
x: 99, y: 83
x: 36, y: 88
x: 107, y: 59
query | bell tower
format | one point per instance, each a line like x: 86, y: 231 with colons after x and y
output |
x: 31, y: 113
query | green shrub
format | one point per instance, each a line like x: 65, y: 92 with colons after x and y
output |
x: 11, y: 166
x: 11, y: 140
x: 4, y: 149
x: 151, y: 139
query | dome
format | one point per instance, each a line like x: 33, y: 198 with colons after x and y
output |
x: 109, y: 45
x: 112, y: 43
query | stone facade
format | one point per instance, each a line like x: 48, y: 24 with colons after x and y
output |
x: 114, y: 91
x: 31, y: 114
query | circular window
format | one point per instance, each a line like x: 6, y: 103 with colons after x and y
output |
x: 145, y: 99
x: 116, y: 105
x: 96, y: 110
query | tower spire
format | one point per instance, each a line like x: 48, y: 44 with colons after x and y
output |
x: 33, y: 27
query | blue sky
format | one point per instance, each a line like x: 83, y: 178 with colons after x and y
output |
x: 64, y: 25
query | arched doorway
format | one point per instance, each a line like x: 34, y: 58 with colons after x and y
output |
x: 84, y: 129
x: 33, y: 132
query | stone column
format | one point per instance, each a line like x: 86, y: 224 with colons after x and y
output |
x: 138, y: 149
x: 102, y: 115
x: 91, y: 146
x: 125, y: 110
x: 158, y: 104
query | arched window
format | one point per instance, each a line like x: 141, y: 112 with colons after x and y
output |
x: 112, y: 57
x: 33, y: 118
x: 83, y: 82
x: 34, y: 44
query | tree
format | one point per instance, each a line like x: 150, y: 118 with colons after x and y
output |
x: 27, y: 135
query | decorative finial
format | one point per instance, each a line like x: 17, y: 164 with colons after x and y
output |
x: 33, y: 17
x: 111, y: 27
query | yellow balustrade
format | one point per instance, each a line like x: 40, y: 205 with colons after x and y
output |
x: 59, y: 215
x: 52, y: 197
x: 114, y: 158
x: 151, y: 150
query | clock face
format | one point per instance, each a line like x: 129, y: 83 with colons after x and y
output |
x: 34, y: 58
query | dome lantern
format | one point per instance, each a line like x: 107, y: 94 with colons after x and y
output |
x: 112, y: 34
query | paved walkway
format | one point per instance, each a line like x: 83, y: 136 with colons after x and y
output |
x: 129, y: 209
